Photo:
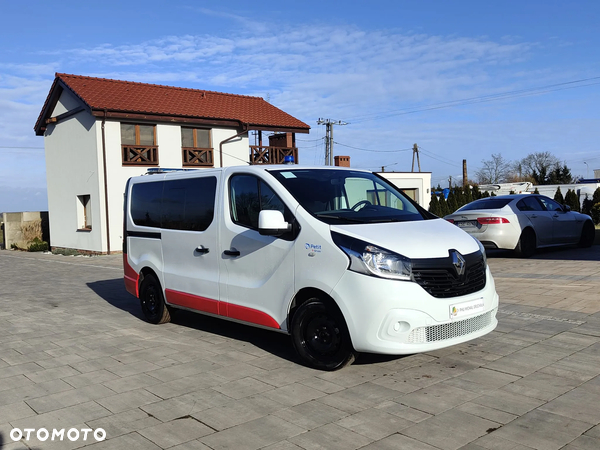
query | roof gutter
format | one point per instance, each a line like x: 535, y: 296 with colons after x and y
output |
x: 105, y: 184
x: 244, y: 131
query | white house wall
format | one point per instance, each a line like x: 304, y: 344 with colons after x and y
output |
x: 421, y: 181
x: 168, y: 138
x: 72, y: 170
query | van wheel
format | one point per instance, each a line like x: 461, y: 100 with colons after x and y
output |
x: 588, y: 234
x: 526, y: 245
x: 152, y: 301
x: 320, y: 335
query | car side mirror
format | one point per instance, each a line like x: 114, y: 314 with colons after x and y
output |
x: 272, y: 223
x: 566, y: 208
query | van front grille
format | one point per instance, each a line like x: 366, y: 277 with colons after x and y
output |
x: 436, y: 333
x: 440, y: 279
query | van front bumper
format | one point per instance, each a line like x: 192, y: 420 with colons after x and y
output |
x: 399, y: 317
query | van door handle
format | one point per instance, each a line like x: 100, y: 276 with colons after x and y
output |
x: 202, y: 250
x: 232, y: 252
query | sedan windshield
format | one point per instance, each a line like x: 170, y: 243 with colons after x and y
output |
x: 344, y: 196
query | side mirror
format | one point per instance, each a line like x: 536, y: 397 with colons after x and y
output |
x: 566, y: 208
x: 272, y: 223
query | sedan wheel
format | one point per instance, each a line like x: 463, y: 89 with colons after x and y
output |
x: 588, y: 235
x: 526, y: 245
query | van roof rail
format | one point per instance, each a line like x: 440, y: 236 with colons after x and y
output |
x: 155, y: 170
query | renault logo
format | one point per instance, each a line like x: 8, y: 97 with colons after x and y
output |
x: 458, y: 262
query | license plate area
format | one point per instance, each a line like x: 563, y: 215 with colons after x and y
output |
x: 465, y: 309
x: 466, y: 224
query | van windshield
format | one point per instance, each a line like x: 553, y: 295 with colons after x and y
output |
x: 345, y: 196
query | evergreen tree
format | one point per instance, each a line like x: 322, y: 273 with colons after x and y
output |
x: 586, y: 207
x: 596, y: 196
x: 485, y: 194
x: 536, y: 191
x: 476, y: 193
x: 468, y: 195
x: 571, y: 200
x: 434, y: 205
x: 451, y: 202
x: 559, y: 197
x: 444, y: 210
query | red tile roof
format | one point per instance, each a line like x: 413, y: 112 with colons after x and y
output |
x: 117, y: 96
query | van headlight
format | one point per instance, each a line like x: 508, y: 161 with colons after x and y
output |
x: 372, y: 260
x: 482, y: 250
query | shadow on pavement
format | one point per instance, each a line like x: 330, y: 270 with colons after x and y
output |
x: 554, y: 253
x: 278, y: 344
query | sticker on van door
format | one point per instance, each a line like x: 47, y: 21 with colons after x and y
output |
x: 313, y: 248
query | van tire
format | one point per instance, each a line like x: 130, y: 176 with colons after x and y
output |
x: 152, y: 301
x: 320, y: 335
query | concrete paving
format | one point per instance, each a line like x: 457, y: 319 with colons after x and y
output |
x: 74, y: 353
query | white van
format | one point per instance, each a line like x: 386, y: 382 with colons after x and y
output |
x: 340, y: 259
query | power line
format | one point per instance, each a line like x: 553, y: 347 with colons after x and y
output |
x: 482, y: 99
x: 372, y: 150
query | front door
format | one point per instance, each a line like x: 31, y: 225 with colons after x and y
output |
x: 257, y: 272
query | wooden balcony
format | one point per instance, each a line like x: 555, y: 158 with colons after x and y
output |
x: 140, y: 155
x: 271, y: 155
x: 197, y: 157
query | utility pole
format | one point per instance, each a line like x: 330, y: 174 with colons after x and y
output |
x: 329, y: 138
x: 450, y: 181
x: 465, y: 179
x: 416, y: 152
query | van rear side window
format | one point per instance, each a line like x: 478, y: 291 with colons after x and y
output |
x: 186, y: 204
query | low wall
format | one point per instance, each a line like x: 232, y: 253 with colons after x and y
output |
x: 20, y: 228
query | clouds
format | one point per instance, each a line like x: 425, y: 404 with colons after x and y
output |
x: 347, y: 71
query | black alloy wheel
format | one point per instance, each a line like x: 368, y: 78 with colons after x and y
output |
x: 320, y: 335
x: 152, y: 301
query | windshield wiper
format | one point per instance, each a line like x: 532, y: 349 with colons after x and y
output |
x: 331, y: 216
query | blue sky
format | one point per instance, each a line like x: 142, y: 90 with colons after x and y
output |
x: 378, y: 65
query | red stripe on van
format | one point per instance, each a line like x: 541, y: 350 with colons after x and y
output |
x: 131, y: 278
x: 192, y: 301
x: 250, y: 315
x: 221, y: 308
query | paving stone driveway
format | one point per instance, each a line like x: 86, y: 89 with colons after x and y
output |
x: 74, y: 353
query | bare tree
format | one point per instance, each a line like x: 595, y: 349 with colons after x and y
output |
x: 539, y: 165
x: 495, y: 170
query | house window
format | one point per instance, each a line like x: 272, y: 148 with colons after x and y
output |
x: 196, y: 147
x: 84, y: 213
x: 138, y: 144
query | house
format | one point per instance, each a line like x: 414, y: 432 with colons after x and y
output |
x: 100, y: 132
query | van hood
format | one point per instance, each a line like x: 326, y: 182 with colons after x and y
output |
x: 420, y: 239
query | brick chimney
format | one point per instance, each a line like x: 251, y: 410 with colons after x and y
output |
x: 342, y: 161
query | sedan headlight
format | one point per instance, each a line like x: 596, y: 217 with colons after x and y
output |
x: 372, y: 260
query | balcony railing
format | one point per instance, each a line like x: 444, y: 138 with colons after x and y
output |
x: 193, y: 156
x: 271, y: 155
x: 146, y: 155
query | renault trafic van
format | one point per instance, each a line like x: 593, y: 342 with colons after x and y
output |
x: 338, y: 258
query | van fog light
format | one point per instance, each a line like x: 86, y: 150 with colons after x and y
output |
x: 401, y: 327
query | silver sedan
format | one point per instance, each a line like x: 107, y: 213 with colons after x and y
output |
x: 523, y: 223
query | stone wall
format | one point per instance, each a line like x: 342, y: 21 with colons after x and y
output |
x: 21, y: 228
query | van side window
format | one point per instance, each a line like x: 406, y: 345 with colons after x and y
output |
x: 146, y: 199
x: 249, y: 195
x: 189, y: 204
x: 186, y: 204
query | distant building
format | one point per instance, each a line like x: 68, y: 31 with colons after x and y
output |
x: 99, y: 132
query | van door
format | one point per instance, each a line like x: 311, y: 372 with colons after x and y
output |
x: 189, y: 241
x: 257, y: 272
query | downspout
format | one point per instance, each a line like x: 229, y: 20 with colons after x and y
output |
x: 244, y: 130
x: 105, y: 184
